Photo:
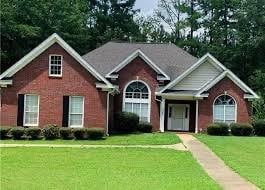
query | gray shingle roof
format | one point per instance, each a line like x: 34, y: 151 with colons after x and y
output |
x: 168, y: 57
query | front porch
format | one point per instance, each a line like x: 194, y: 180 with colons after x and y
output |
x: 179, y: 114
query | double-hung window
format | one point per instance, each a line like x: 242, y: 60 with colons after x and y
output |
x: 55, y: 65
x: 31, y: 110
x: 76, y: 111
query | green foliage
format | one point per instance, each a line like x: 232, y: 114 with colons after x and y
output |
x: 33, y: 132
x: 241, y: 129
x: 66, y: 133
x: 4, y: 131
x: 259, y: 127
x: 17, y: 132
x: 51, y: 132
x: 220, y: 129
x: 126, y: 122
x: 80, y: 133
x: 145, y: 127
x: 95, y: 133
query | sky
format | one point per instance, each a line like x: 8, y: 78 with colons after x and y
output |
x: 146, y: 6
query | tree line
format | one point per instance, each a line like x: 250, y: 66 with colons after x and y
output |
x: 231, y: 30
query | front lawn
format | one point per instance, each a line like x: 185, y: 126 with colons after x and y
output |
x: 104, y: 168
x: 246, y: 155
x: 131, y: 139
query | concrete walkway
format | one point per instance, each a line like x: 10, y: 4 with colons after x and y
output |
x: 178, y: 146
x: 214, y: 166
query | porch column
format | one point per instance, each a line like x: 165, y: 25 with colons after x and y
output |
x: 162, y: 115
x: 197, y: 115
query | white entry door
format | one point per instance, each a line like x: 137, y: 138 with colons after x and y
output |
x: 178, y: 117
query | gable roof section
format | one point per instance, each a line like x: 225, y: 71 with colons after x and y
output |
x: 135, y: 54
x: 225, y: 73
x: 172, y: 60
x: 41, y: 48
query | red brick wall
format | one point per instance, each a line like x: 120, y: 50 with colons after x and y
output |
x: 75, y: 81
x: 206, y: 105
x: 139, y: 70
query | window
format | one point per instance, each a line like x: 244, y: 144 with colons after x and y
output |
x: 137, y: 100
x: 55, y: 65
x: 76, y: 111
x: 31, y: 110
x: 224, y: 109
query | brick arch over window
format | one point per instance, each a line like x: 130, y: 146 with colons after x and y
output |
x: 137, y: 99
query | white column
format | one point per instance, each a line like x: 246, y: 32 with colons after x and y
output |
x: 162, y: 115
x: 197, y: 115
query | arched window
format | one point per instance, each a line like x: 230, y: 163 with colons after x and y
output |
x: 224, y: 109
x: 137, y: 99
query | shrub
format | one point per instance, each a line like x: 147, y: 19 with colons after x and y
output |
x: 95, y: 133
x: 80, y: 133
x: 17, y: 132
x: 144, y: 127
x: 259, y: 127
x: 66, y: 133
x: 4, y: 132
x: 221, y: 129
x: 126, y: 122
x: 241, y: 129
x: 51, y: 131
x: 33, y: 132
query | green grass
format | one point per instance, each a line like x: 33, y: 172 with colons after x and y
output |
x: 112, y: 168
x: 245, y: 155
x: 132, y: 139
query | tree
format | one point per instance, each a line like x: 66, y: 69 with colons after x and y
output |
x: 25, y: 24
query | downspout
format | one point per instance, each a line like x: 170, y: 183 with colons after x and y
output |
x: 107, y: 115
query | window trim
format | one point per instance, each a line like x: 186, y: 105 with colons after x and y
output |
x: 130, y: 100
x: 55, y: 75
x: 69, y: 113
x: 24, y: 111
x: 225, y: 94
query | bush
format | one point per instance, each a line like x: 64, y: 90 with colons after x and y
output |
x: 66, y: 133
x: 144, y: 127
x: 33, y: 132
x: 17, y: 132
x: 220, y: 129
x: 4, y: 132
x: 241, y: 129
x: 259, y: 127
x: 51, y: 132
x: 80, y: 133
x: 126, y: 122
x: 95, y: 133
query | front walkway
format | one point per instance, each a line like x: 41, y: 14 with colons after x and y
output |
x: 214, y: 166
x: 178, y: 146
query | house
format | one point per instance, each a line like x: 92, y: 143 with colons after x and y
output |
x: 162, y: 83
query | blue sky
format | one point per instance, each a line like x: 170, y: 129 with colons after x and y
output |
x: 146, y: 6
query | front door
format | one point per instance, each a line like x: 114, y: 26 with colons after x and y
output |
x: 178, y: 117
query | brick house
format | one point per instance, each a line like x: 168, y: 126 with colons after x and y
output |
x: 162, y: 83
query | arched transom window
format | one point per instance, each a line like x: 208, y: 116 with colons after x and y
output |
x: 137, y: 100
x: 224, y: 109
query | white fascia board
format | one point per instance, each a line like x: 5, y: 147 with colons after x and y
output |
x: 41, y: 48
x: 135, y: 54
x: 232, y: 77
x: 4, y: 83
x: 207, y: 56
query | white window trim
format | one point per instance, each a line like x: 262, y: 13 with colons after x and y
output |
x: 224, y: 107
x: 132, y: 100
x: 24, y: 111
x: 69, y: 114
x: 55, y: 75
